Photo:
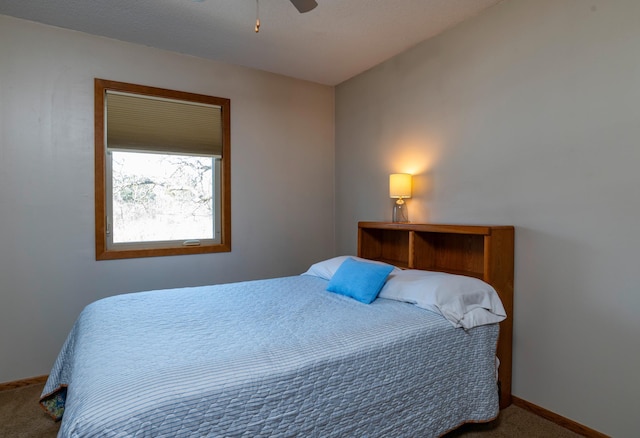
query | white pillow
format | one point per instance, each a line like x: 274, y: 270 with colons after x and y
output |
x: 465, y: 301
x: 326, y: 268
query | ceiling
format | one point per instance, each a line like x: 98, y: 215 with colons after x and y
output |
x: 330, y: 44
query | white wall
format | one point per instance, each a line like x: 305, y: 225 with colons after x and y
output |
x: 282, y: 143
x: 528, y: 114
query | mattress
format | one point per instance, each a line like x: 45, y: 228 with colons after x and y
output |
x: 279, y: 357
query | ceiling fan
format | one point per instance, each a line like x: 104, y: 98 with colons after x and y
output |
x: 301, y: 5
x: 304, y: 5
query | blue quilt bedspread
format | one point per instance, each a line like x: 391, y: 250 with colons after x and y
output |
x: 280, y: 357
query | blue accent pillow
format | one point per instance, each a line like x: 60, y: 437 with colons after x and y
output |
x: 361, y: 281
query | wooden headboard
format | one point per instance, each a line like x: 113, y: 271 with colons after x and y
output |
x: 484, y: 252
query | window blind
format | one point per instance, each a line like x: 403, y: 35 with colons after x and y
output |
x: 138, y: 122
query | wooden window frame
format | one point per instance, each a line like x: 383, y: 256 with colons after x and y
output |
x: 105, y: 253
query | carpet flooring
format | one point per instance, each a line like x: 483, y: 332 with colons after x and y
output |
x: 22, y: 417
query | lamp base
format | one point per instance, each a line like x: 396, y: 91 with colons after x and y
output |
x: 400, y: 213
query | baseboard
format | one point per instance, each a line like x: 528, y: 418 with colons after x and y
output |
x: 7, y: 386
x: 558, y: 419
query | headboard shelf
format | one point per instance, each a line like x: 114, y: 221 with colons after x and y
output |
x: 480, y: 251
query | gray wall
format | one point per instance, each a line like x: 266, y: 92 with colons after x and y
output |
x: 528, y: 114
x: 282, y: 135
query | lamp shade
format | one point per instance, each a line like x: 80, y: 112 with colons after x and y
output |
x: 399, y: 185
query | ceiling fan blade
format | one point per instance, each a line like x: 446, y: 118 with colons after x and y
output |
x: 304, y: 5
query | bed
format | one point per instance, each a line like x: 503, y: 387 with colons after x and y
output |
x: 283, y: 357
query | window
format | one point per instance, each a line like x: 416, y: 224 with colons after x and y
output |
x: 162, y: 163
